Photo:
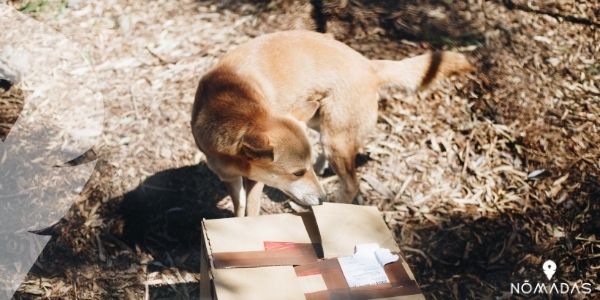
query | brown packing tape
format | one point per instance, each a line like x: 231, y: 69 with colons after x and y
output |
x: 400, y: 284
x: 329, y: 269
x: 297, y: 254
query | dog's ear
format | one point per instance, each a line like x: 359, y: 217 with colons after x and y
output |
x: 304, y: 111
x: 256, y: 147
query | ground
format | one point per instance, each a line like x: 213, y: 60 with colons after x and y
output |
x: 481, y: 178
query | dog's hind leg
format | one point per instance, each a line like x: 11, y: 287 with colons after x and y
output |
x: 344, y: 127
x: 237, y: 192
x: 254, y: 193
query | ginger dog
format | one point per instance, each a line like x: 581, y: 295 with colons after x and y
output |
x: 251, y: 111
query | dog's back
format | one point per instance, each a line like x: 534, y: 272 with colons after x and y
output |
x: 285, y: 67
x: 291, y: 66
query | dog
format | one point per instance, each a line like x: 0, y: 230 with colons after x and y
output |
x: 252, y: 110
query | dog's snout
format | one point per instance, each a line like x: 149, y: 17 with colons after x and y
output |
x: 322, y: 198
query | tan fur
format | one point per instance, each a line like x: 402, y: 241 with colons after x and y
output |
x: 251, y: 110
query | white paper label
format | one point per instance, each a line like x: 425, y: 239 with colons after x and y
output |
x: 362, y: 272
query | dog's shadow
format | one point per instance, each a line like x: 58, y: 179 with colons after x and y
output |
x: 163, y: 214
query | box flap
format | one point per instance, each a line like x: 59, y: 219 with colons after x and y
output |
x: 250, y: 233
x: 257, y: 283
x: 343, y: 226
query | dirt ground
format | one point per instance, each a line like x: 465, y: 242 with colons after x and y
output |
x: 481, y: 178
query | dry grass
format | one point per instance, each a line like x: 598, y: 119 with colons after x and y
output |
x: 481, y: 178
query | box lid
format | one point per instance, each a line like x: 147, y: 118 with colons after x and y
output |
x: 250, y: 233
x: 343, y: 226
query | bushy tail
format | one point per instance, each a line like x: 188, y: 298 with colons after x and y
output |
x: 419, y: 71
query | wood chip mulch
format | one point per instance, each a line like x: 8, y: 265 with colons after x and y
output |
x: 481, y: 178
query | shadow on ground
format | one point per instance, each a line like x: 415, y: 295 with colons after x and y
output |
x: 439, y: 23
x: 156, y: 224
x: 467, y: 258
x: 163, y: 214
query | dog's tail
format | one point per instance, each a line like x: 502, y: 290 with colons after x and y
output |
x: 419, y: 71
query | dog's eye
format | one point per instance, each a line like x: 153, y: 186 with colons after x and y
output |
x: 299, y: 173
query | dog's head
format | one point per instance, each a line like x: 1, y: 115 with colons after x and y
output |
x: 279, y: 154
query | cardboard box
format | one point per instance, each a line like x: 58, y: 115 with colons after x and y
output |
x: 296, y: 256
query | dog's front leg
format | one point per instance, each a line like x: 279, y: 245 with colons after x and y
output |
x: 254, y: 193
x: 238, y: 195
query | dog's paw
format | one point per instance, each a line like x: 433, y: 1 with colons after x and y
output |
x: 342, y: 197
